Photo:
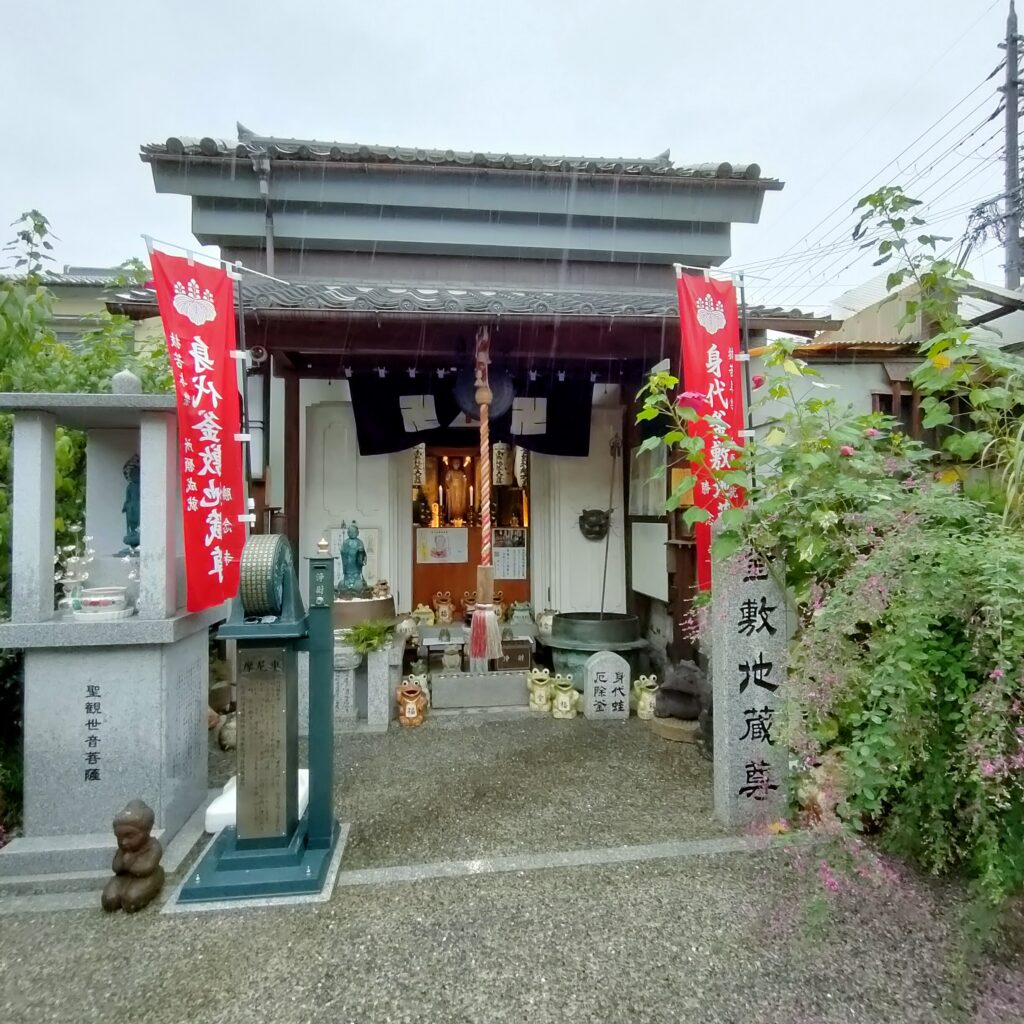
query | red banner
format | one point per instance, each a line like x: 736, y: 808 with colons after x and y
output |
x: 713, y: 381
x: 197, y: 308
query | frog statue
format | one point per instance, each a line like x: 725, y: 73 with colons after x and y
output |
x: 540, y: 690
x: 138, y: 876
x: 565, y: 698
x: 353, y: 560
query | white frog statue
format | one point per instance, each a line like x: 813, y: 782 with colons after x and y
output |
x: 565, y: 699
x: 540, y: 690
x: 423, y: 615
x: 645, y: 690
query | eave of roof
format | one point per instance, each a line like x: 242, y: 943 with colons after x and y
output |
x: 250, y: 145
x: 382, y: 300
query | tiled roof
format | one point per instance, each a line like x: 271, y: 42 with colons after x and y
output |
x: 251, y: 145
x: 76, y: 277
x: 259, y: 294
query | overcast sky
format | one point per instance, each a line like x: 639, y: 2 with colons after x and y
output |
x: 822, y: 94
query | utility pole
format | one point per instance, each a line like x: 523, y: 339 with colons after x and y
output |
x: 1011, y: 223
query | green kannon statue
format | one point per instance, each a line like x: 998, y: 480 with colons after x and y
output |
x: 131, y: 505
x: 353, y: 559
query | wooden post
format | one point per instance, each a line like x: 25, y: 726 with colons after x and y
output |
x: 292, y: 456
x: 896, y: 387
x: 683, y: 591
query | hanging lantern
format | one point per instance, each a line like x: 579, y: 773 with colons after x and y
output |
x: 501, y: 462
x: 419, y: 465
x: 521, y: 461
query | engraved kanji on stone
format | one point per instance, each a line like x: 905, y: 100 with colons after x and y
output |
x: 757, y: 672
x: 759, y: 781
x: 759, y: 725
x: 754, y: 617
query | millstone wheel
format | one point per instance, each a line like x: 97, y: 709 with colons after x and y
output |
x: 266, y: 559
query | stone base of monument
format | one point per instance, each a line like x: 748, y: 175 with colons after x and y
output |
x: 222, y: 811
x: 478, y: 689
x: 113, y: 712
x: 176, y: 852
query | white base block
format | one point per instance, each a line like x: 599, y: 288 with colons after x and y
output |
x: 221, y: 813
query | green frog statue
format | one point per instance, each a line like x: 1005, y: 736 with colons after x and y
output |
x: 353, y: 560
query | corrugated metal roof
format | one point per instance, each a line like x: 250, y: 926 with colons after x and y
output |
x: 250, y: 144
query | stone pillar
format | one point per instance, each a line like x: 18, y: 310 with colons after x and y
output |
x: 396, y: 655
x: 378, y: 689
x: 751, y: 622
x: 346, y: 661
x: 158, y: 520
x: 32, y: 546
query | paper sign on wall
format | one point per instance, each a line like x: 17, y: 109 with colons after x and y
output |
x: 442, y: 546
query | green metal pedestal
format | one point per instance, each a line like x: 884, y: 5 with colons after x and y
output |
x: 232, y: 870
x: 271, y: 851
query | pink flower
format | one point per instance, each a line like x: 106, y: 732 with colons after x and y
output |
x: 828, y: 880
x: 847, y: 450
x: 757, y: 381
x: 996, y: 673
x: 988, y: 769
x: 872, y: 432
x: 693, y: 400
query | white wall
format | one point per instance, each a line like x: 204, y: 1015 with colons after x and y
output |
x: 340, y: 485
x: 852, y: 384
x: 106, y: 452
x: 567, y: 568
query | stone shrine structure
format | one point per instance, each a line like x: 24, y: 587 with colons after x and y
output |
x: 751, y: 622
x: 115, y: 708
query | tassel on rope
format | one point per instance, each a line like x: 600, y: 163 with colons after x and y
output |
x: 484, y: 631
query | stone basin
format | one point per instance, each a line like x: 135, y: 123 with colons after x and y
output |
x: 575, y: 636
x: 582, y: 629
x: 355, y: 611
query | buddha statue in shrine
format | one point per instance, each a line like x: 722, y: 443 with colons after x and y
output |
x: 353, y: 559
x: 456, y: 491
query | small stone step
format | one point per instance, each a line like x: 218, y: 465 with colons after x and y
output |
x: 676, y: 730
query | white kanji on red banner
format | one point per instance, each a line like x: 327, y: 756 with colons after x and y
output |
x: 197, y: 307
x: 711, y: 342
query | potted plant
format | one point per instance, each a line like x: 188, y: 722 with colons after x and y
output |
x: 369, y: 636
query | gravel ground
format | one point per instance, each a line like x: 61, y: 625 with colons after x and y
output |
x: 524, y: 786
x: 715, y: 940
x: 738, y: 938
x: 517, y: 787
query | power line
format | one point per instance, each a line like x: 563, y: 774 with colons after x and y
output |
x: 856, y: 194
x: 793, y: 274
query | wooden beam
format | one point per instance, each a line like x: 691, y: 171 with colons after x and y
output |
x: 292, y: 457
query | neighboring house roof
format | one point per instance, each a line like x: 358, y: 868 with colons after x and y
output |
x: 250, y: 144
x: 265, y: 295
x: 75, y: 277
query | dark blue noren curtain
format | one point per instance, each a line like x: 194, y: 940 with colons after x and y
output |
x: 396, y: 412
